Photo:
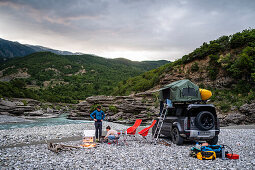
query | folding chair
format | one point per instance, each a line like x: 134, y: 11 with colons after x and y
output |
x: 145, y: 131
x: 132, y: 130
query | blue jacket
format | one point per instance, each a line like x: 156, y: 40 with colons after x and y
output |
x: 99, y: 115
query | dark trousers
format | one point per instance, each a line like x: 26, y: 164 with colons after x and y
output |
x: 98, y: 126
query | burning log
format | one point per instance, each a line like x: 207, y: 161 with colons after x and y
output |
x: 88, y: 145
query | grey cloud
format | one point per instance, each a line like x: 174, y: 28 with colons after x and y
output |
x: 167, y: 29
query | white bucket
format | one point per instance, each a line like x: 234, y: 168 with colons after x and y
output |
x: 89, y: 133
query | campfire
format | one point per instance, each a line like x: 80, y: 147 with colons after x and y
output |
x: 88, y: 140
x: 88, y: 145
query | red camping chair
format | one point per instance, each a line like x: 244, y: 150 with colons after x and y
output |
x: 145, y: 131
x: 132, y: 130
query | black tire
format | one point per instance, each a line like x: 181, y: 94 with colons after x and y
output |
x: 213, y: 141
x: 205, y: 120
x: 176, y: 138
x: 154, y: 128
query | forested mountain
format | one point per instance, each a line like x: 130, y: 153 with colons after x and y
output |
x: 226, y: 66
x: 66, y: 78
x: 10, y: 49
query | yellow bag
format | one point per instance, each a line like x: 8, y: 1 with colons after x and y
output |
x: 205, y: 94
x: 206, y: 155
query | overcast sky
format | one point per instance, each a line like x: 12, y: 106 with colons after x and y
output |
x: 133, y: 29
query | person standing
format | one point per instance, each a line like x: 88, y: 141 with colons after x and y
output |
x: 98, y: 116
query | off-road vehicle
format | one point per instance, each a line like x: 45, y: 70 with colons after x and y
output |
x: 188, y: 117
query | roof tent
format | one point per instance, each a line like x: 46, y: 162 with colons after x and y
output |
x: 180, y: 91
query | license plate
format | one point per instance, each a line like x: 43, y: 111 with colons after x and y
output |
x: 205, y: 133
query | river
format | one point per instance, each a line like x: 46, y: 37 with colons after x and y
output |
x: 61, y: 120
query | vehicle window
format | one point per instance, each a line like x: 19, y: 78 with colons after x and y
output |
x: 189, y: 92
x: 166, y: 93
x: 171, y: 112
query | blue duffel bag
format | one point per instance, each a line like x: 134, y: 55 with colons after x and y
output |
x: 216, y: 148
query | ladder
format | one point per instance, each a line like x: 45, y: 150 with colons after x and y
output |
x: 160, y: 124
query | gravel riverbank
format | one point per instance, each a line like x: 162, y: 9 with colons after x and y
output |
x: 133, y: 156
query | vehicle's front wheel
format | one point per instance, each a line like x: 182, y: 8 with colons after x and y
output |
x: 213, y: 141
x: 176, y: 138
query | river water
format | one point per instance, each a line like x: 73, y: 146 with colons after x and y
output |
x: 61, y: 120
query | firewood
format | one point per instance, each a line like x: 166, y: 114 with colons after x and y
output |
x: 59, y: 147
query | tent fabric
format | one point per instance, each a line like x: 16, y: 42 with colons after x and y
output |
x: 180, y: 91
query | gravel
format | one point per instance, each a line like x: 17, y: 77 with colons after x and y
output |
x: 135, y: 155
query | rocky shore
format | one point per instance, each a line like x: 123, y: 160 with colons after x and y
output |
x: 135, y: 155
x: 29, y: 108
x: 118, y: 109
x: 145, y: 106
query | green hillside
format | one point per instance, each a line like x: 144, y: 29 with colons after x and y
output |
x: 68, y: 78
x: 230, y: 57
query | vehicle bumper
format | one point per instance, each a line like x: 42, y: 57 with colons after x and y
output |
x: 198, y: 134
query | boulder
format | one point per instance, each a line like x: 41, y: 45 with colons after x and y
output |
x: 6, y: 105
x: 127, y: 115
x: 131, y: 108
x: 115, y: 117
x: 234, y: 118
x: 49, y: 110
x: 86, y: 114
x: 21, y: 109
x: 32, y: 102
x: 100, y: 99
x: 248, y: 109
x: 84, y: 108
x: 141, y: 116
x: 35, y: 113
x: 18, y: 103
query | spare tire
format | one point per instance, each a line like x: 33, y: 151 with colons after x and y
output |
x: 205, y: 120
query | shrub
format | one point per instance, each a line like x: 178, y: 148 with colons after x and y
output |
x: 113, y: 109
x: 194, y: 67
x: 253, y: 76
x: 24, y: 102
x: 93, y: 108
x: 225, y: 107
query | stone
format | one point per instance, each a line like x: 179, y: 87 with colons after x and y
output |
x: 49, y: 110
x: 141, y: 116
x: 131, y: 108
x: 115, y: 117
x: 235, y: 118
x: 83, y: 114
x: 35, y: 113
x: 248, y: 109
x: 18, y: 103
x: 6, y: 104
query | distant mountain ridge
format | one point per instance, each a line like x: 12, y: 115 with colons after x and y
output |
x: 11, y: 49
x: 66, y: 78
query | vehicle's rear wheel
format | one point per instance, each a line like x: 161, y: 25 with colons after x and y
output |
x: 205, y: 120
x: 213, y: 141
x: 176, y: 138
